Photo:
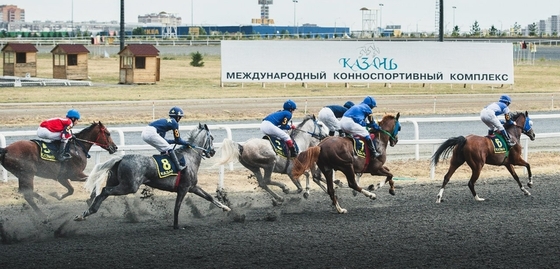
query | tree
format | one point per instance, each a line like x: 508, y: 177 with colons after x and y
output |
x: 475, y: 29
x: 533, y: 29
x: 456, y: 31
x: 517, y: 29
x: 196, y: 58
x: 138, y: 31
x: 493, y: 31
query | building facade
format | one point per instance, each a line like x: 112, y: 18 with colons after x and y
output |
x: 11, y: 13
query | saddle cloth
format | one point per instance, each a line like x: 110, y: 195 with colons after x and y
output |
x: 279, y: 145
x: 47, y: 150
x: 499, y: 143
x: 360, y: 147
x: 165, y: 166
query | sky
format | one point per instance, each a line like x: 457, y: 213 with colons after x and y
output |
x: 412, y: 15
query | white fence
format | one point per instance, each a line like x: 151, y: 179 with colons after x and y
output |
x: 124, y: 148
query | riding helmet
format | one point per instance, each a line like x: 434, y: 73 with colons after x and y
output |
x: 348, y: 104
x: 73, y: 114
x: 176, y: 112
x: 290, y: 105
x: 370, y: 102
x: 505, y: 99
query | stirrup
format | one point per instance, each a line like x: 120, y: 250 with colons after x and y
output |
x: 511, y: 143
x: 64, y: 156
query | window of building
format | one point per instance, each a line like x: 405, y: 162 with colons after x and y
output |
x: 21, y: 57
x: 59, y: 59
x: 9, y: 58
x: 72, y: 59
x: 140, y: 63
x: 126, y: 62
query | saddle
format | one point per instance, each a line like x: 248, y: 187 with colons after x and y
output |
x: 360, y: 146
x: 165, y: 166
x: 47, y: 150
x: 279, y: 146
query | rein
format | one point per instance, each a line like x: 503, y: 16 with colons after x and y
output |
x: 319, y: 136
x: 101, y: 131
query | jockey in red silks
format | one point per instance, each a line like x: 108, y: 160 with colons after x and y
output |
x: 60, y: 129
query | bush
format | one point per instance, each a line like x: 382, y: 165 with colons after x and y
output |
x: 196, y: 59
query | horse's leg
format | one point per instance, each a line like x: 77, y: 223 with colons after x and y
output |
x: 200, y: 192
x: 358, y: 176
x: 263, y: 183
x: 516, y: 177
x: 105, y: 192
x: 351, y: 178
x: 25, y: 187
x: 180, y: 196
x: 476, y: 169
x: 318, y: 180
x: 519, y: 161
x: 330, y: 189
x: 69, y: 189
x: 453, y: 166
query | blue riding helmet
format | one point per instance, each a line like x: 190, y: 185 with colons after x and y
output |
x: 348, y: 104
x: 370, y: 102
x: 73, y: 114
x: 176, y: 112
x: 505, y: 99
x: 290, y: 105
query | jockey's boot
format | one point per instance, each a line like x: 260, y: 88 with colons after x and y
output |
x: 510, y: 142
x: 341, y: 133
x: 292, y: 148
x: 371, y: 145
x: 331, y: 133
x: 490, y: 132
x: 173, y: 157
x: 63, y: 153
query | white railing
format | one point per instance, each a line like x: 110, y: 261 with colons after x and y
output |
x: 124, y: 148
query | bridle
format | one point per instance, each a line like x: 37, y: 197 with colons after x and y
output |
x: 207, y: 147
x: 393, y: 135
x: 314, y: 134
x: 100, y: 134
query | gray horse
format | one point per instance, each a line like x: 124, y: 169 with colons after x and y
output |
x: 256, y: 154
x: 125, y: 174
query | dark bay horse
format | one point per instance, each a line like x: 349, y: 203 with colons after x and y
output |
x: 336, y: 153
x: 479, y: 150
x: 23, y: 160
x: 125, y: 174
x: 257, y: 153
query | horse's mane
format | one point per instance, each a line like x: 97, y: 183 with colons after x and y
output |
x: 387, y: 117
x: 88, y: 129
x: 305, y: 119
x: 516, y: 114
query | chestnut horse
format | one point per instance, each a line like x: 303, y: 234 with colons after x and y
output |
x: 337, y: 153
x: 479, y: 150
x: 23, y: 160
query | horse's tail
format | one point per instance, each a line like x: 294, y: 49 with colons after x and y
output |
x: 99, y: 175
x: 305, y: 160
x: 230, y: 151
x: 446, y: 147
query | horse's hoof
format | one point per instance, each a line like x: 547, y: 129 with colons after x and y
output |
x: 392, y: 192
x: 530, y: 184
x: 286, y: 191
x: 79, y: 218
x: 371, y: 187
x: 306, y: 195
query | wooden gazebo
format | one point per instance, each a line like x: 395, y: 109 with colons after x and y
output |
x: 70, y: 61
x: 139, y: 64
x: 20, y: 59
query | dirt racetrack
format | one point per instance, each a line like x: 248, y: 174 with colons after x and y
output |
x: 408, y: 230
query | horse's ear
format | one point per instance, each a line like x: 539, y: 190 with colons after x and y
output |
x: 398, y: 115
x: 200, y: 125
x: 314, y: 118
x: 526, y: 113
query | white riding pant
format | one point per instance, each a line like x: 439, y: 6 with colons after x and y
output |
x: 328, y: 118
x: 348, y: 125
x: 44, y: 133
x: 150, y: 136
x: 270, y: 129
x: 488, y: 116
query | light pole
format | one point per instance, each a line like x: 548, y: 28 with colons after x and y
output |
x: 454, y: 7
x: 72, y: 18
x: 192, y: 14
x: 381, y: 16
x: 295, y: 2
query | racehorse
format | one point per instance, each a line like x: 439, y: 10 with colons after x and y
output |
x: 479, y: 150
x: 124, y: 175
x: 256, y: 154
x: 23, y: 160
x: 337, y: 153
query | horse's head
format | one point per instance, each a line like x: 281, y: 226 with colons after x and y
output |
x: 523, y: 122
x: 311, y: 126
x: 391, y: 126
x: 201, y: 138
x: 97, y: 134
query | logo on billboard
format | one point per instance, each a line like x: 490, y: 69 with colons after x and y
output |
x: 368, y: 57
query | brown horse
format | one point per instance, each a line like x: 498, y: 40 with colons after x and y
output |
x: 479, y: 150
x: 23, y: 160
x: 337, y: 153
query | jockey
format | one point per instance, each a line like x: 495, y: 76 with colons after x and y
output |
x: 354, y: 121
x: 59, y: 129
x: 277, y: 123
x: 154, y: 134
x: 330, y: 116
x: 489, y: 115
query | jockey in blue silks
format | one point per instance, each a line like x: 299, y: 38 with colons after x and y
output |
x: 489, y: 115
x: 277, y: 123
x: 357, y: 118
x: 330, y: 115
x: 154, y: 134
